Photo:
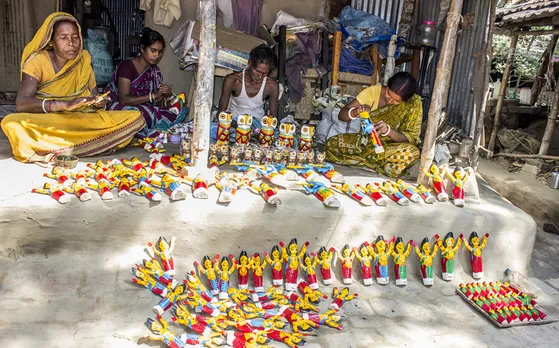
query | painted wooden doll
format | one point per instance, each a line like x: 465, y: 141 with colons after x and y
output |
x: 475, y: 247
x: 426, y: 260
x: 400, y: 253
x: 448, y: 253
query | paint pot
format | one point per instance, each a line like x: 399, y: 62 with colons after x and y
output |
x: 554, y: 180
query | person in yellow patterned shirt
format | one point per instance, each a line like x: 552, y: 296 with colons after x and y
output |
x: 396, y: 112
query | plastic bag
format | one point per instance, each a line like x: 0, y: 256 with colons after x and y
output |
x: 361, y: 28
x: 101, y: 59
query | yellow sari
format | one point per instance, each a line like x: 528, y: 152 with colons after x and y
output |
x: 86, y: 132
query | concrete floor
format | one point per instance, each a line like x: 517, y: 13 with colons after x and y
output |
x: 65, y: 269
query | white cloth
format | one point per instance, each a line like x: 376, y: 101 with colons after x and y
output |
x: 226, y: 9
x: 145, y: 5
x: 164, y: 11
x: 243, y: 104
x: 331, y: 125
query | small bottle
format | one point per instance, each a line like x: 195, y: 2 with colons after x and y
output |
x: 521, y: 282
x: 428, y: 33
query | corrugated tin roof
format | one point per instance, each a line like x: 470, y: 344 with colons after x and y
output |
x: 528, y: 11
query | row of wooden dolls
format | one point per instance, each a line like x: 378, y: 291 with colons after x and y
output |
x: 266, y: 134
x: 285, y: 264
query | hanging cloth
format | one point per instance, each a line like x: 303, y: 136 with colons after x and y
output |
x: 164, y: 11
x: 246, y: 15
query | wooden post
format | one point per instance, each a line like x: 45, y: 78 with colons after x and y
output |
x: 486, y: 66
x: 503, y: 92
x: 551, y: 122
x: 336, y: 57
x: 540, y: 77
x: 442, y: 82
x: 377, y: 64
x: 325, y: 43
x: 483, y: 93
x: 205, y: 86
x: 282, y: 55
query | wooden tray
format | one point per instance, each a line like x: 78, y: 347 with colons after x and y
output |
x: 548, y: 318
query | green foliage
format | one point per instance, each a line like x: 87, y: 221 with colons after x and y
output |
x: 529, y: 50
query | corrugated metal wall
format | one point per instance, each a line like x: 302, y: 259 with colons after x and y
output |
x: 127, y: 20
x: 389, y: 10
x: 460, y: 105
x: 460, y: 99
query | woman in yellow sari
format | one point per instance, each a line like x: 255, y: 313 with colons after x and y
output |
x: 58, y: 111
x: 396, y: 112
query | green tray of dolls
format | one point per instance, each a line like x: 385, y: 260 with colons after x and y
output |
x: 548, y: 318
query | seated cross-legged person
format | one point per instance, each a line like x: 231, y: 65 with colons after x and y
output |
x: 57, y: 108
x: 137, y: 85
x: 246, y: 92
x: 396, y: 112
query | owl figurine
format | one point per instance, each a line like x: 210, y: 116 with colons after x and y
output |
x: 242, y: 134
x: 287, y: 135
x: 267, y: 134
x: 320, y: 157
x: 305, y: 141
x: 268, y: 155
x: 277, y: 157
x: 301, y: 158
x: 292, y: 158
x: 223, y: 128
x: 224, y: 151
x: 257, y: 154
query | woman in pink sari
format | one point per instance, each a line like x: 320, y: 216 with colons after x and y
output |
x: 137, y: 84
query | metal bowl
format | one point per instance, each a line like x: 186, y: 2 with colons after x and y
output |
x: 66, y: 161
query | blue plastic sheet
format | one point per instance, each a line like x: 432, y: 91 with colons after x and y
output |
x: 350, y: 63
x: 360, y: 29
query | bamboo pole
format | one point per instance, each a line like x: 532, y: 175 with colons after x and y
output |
x: 488, y: 56
x: 551, y: 123
x: 521, y: 155
x: 540, y: 77
x: 336, y: 58
x: 502, y: 93
x: 538, y: 32
x: 204, y: 86
x: 442, y: 82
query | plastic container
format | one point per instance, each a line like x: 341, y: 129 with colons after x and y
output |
x: 524, y: 95
x: 496, y: 89
x: 554, y: 179
x: 428, y: 33
x: 521, y: 282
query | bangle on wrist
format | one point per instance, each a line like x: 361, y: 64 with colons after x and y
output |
x: 387, y: 132
x: 43, y: 105
x: 349, y: 114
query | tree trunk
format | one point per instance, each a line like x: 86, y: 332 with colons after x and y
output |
x: 204, y: 86
x: 482, y: 96
x: 502, y: 93
x: 442, y: 82
x: 551, y: 122
x: 540, y: 76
